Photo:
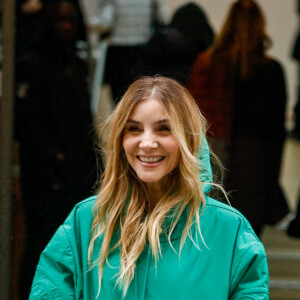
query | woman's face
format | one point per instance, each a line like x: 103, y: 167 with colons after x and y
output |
x: 150, y: 147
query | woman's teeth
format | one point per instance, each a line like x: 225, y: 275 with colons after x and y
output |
x: 150, y: 159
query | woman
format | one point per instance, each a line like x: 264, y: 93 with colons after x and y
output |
x: 140, y: 237
x: 241, y: 91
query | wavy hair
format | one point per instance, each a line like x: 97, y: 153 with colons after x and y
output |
x: 122, y: 209
x: 242, y: 40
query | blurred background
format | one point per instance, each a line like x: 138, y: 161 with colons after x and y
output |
x: 76, y: 58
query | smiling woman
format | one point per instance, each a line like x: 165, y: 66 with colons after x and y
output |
x: 140, y: 236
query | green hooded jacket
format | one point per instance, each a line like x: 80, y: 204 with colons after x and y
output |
x: 232, y: 263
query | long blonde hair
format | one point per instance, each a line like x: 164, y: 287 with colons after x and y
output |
x: 121, y: 206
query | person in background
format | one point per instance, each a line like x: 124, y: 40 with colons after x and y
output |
x: 168, y: 53
x: 294, y: 226
x: 152, y: 231
x: 53, y: 127
x: 133, y: 25
x: 28, y: 18
x: 241, y: 90
x: 191, y: 20
x: 173, y: 48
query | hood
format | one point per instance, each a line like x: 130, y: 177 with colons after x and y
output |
x: 205, y: 167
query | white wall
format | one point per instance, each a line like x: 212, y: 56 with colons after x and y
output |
x: 281, y: 21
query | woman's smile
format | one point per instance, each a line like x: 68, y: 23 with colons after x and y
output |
x: 150, y: 159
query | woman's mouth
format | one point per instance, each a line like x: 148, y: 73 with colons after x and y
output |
x: 150, y: 159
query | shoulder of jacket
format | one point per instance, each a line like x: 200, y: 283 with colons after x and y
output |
x: 85, y: 207
x: 228, y: 212
x: 211, y: 202
x: 86, y: 203
x: 79, y: 220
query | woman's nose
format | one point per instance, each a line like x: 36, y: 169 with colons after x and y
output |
x: 148, y: 141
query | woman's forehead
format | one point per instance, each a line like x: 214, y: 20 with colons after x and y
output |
x: 150, y: 108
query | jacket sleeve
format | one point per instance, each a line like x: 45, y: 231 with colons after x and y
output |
x: 56, y: 273
x: 250, y: 276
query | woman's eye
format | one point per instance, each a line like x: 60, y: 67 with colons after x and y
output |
x: 164, y: 128
x: 134, y: 129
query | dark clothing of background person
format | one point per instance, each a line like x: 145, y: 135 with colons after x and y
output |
x: 294, y: 226
x: 28, y: 19
x: 258, y: 135
x: 293, y: 229
x: 173, y: 49
x: 247, y: 120
x: 296, y: 56
x: 118, y: 66
x: 53, y: 127
x: 168, y: 53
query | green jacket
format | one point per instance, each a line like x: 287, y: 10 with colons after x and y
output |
x: 231, y: 264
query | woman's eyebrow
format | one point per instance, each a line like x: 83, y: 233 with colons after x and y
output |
x: 133, y: 121
x: 138, y: 122
x: 162, y: 121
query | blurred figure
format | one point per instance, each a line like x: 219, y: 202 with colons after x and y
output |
x: 53, y: 127
x: 28, y: 18
x: 296, y: 56
x: 241, y: 91
x: 173, y: 49
x: 191, y: 20
x: 294, y: 226
x: 168, y: 53
x: 293, y: 229
x: 134, y: 23
x: 28, y: 14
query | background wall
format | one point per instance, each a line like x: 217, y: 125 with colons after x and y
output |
x: 281, y: 22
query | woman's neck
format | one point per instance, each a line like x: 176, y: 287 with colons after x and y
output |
x: 155, y: 192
